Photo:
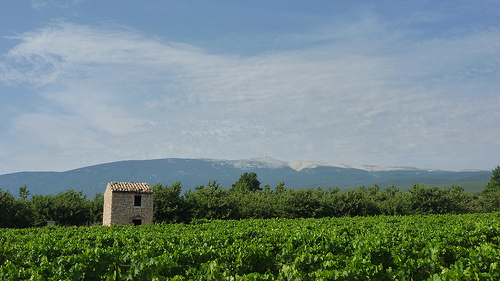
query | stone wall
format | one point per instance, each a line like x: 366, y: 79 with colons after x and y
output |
x: 106, y: 213
x: 119, y: 208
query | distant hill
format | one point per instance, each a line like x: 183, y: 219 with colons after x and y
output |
x: 193, y: 172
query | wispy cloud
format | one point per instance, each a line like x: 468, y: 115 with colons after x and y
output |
x: 44, y: 4
x: 117, y: 94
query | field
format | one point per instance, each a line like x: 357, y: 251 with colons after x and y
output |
x: 436, y: 247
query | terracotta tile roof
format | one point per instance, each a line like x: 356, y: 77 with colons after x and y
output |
x: 130, y: 187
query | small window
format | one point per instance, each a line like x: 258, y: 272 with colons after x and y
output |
x: 137, y: 221
x: 137, y: 200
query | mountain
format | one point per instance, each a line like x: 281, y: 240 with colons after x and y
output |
x: 194, y: 172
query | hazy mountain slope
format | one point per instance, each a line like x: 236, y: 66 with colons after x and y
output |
x: 193, y: 172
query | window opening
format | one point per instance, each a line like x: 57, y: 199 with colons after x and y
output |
x: 137, y: 221
x: 137, y: 200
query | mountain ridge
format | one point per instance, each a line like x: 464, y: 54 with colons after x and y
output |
x: 299, y: 165
x: 193, y: 172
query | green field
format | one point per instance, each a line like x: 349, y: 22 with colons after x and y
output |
x: 435, y: 247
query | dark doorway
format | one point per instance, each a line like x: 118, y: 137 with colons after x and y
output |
x: 137, y: 221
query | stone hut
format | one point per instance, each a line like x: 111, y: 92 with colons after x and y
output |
x: 128, y: 203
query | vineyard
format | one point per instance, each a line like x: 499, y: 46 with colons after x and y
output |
x: 436, y: 247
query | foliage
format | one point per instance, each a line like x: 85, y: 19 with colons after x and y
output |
x: 209, y: 202
x: 491, y: 193
x: 217, y: 203
x: 252, y: 204
x: 428, y: 200
x: 246, y: 199
x: 431, y: 247
x: 247, y: 182
x: 95, y: 209
x: 66, y: 208
x: 24, y: 192
x: 493, y: 184
x: 169, y: 206
x: 8, y: 207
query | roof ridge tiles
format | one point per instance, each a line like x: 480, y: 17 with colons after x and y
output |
x: 130, y: 187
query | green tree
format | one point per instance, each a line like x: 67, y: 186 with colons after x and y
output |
x: 8, y: 207
x: 305, y: 203
x: 393, y: 201
x: 429, y: 200
x: 256, y: 205
x: 331, y: 202
x: 71, y: 208
x: 169, y: 206
x: 494, y: 182
x: 280, y: 188
x: 96, y: 208
x: 43, y: 209
x: 280, y: 198
x: 66, y: 208
x: 22, y: 207
x: 357, y: 202
x: 391, y: 190
x: 373, y: 190
x: 209, y: 202
x: 247, y: 182
x: 491, y: 192
x: 491, y: 201
x: 462, y: 202
x: 24, y: 192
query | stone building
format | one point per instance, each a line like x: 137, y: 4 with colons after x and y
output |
x: 128, y: 203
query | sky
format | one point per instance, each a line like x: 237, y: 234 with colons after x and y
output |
x: 389, y: 83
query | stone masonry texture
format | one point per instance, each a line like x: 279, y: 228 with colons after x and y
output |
x: 119, y: 204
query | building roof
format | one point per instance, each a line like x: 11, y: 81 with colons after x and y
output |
x: 130, y: 187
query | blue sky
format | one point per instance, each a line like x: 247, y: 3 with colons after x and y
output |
x: 390, y: 83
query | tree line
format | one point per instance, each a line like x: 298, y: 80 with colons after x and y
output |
x: 66, y: 208
x: 247, y: 199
